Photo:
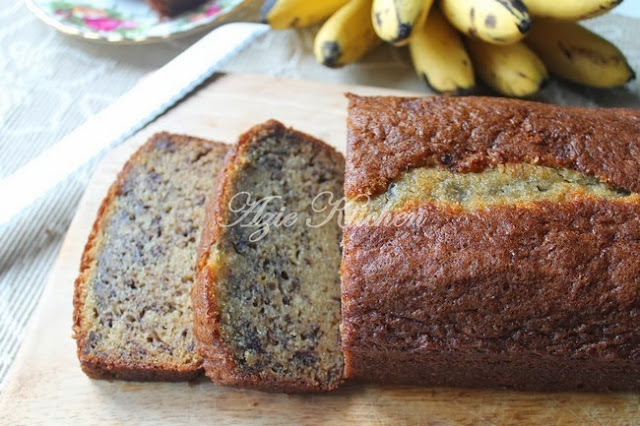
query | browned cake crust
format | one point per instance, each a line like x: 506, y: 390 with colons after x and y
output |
x: 387, y: 135
x: 218, y: 361
x: 542, y: 295
x: 101, y: 366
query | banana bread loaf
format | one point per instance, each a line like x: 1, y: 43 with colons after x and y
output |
x: 132, y: 305
x: 267, y: 294
x: 492, y: 242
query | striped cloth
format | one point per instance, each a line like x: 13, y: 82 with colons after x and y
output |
x: 28, y: 247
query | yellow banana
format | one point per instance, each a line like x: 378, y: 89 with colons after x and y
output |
x: 439, y: 56
x: 569, y: 10
x: 512, y: 70
x: 494, y: 21
x: 576, y: 54
x: 346, y: 36
x: 394, y: 20
x: 281, y: 14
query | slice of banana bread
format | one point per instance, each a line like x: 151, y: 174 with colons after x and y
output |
x: 492, y: 242
x: 132, y: 306
x: 267, y: 294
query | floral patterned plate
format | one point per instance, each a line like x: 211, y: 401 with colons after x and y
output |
x: 124, y: 21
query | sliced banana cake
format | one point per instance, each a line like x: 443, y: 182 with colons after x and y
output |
x: 267, y: 297
x: 132, y: 307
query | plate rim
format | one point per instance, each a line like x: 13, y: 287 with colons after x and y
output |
x: 116, y: 39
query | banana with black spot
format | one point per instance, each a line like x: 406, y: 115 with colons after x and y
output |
x: 494, y: 21
x: 569, y: 10
x: 395, y: 20
x: 512, y: 70
x: 346, y: 36
x: 576, y: 54
x: 281, y: 14
x: 439, y: 56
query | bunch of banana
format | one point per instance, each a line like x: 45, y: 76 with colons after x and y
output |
x: 395, y: 20
x: 346, y: 36
x: 510, y: 45
x: 569, y: 10
x: 576, y: 54
x: 512, y: 69
x: 494, y: 21
x: 439, y: 57
x: 282, y: 14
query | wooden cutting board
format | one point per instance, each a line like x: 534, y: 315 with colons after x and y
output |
x: 46, y: 384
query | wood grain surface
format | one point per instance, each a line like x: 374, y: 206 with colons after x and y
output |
x: 46, y: 385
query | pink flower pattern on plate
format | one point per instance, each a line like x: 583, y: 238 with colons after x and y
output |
x: 63, y: 13
x: 103, y: 24
x: 213, y: 10
x: 90, y: 17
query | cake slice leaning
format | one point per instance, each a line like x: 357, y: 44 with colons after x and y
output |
x: 267, y: 296
x: 132, y: 306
